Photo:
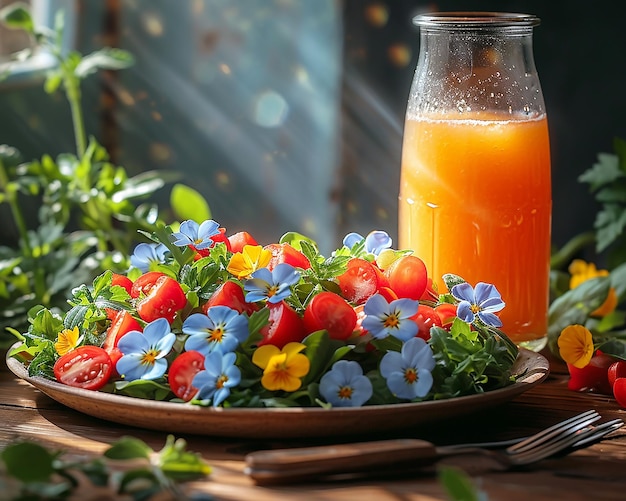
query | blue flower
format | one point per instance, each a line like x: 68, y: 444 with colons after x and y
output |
x: 145, y: 255
x: 483, y: 301
x: 144, y: 353
x: 408, y: 373
x: 220, y: 374
x: 221, y: 329
x: 345, y: 385
x: 384, y: 319
x: 271, y: 285
x: 375, y: 241
x: 199, y: 236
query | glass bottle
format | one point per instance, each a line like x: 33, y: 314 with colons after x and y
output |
x: 475, y: 190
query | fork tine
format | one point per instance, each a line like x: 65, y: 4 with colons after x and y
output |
x: 566, y: 427
x: 602, y: 430
x: 586, y: 436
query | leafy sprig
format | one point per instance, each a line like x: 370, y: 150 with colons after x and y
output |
x: 129, y: 469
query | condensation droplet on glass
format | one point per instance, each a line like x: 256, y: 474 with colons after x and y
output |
x: 269, y: 109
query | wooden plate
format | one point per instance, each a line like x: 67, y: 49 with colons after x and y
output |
x: 300, y: 422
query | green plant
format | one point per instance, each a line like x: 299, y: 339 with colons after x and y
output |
x: 128, y: 469
x: 90, y: 211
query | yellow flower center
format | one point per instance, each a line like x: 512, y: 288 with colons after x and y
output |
x: 392, y: 321
x: 150, y: 357
x: 345, y: 392
x: 410, y: 376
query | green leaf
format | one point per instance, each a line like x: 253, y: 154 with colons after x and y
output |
x: 605, y: 171
x: 53, y: 81
x: 458, y: 484
x: 17, y: 16
x: 610, y: 223
x: 28, y: 462
x: 187, y: 203
x: 107, y: 59
x: 179, y: 464
x: 128, y: 448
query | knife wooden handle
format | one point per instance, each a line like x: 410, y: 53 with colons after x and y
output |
x: 282, y: 465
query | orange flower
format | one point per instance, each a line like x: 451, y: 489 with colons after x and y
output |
x: 582, y: 271
x: 243, y: 264
x: 576, y: 345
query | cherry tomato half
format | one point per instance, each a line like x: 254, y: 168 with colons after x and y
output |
x: 239, y: 240
x: 359, y: 281
x: 143, y: 283
x: 88, y: 367
x: 284, y: 326
x: 285, y: 253
x: 164, y: 299
x: 181, y: 373
x: 330, y: 311
x: 122, y: 323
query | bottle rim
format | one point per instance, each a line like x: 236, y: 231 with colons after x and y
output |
x: 475, y: 20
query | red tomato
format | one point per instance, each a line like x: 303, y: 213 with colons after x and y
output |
x: 121, y: 323
x: 330, y: 311
x: 425, y: 318
x: 88, y: 367
x: 408, y: 277
x: 164, y: 299
x: 122, y: 281
x: 239, y: 240
x: 388, y: 294
x: 230, y: 294
x: 430, y: 293
x: 181, y: 372
x: 619, y: 391
x: 143, y: 284
x: 359, y: 281
x: 115, y: 354
x: 285, y: 253
x: 592, y: 377
x: 447, y: 314
x: 220, y: 237
x: 284, y: 326
x: 616, y: 370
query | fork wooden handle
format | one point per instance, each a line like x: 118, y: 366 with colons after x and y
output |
x: 280, y: 465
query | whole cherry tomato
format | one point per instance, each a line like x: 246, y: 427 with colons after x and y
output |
x: 408, y: 277
x: 359, y: 281
x: 181, y: 373
x: 238, y: 240
x: 122, y: 323
x: 619, y: 391
x: 330, y: 311
x: 164, y: 299
x: 592, y: 377
x: 616, y: 370
x: 284, y: 326
x: 88, y: 367
x: 285, y: 253
x: 122, y: 281
x: 230, y: 294
x: 425, y: 318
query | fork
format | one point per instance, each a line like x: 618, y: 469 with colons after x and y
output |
x: 288, y: 465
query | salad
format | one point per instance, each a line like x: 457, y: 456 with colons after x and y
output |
x: 203, y: 317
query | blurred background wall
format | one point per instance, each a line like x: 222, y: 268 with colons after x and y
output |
x: 287, y: 115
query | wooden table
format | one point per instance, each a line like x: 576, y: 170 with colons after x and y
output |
x: 596, y: 473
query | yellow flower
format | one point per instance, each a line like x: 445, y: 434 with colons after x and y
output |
x: 243, y: 264
x: 67, y: 340
x: 576, y: 345
x: 282, y: 369
x: 582, y: 271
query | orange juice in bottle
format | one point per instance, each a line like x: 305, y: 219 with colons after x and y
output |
x: 475, y: 189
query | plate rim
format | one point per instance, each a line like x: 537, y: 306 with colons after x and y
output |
x: 91, y: 403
